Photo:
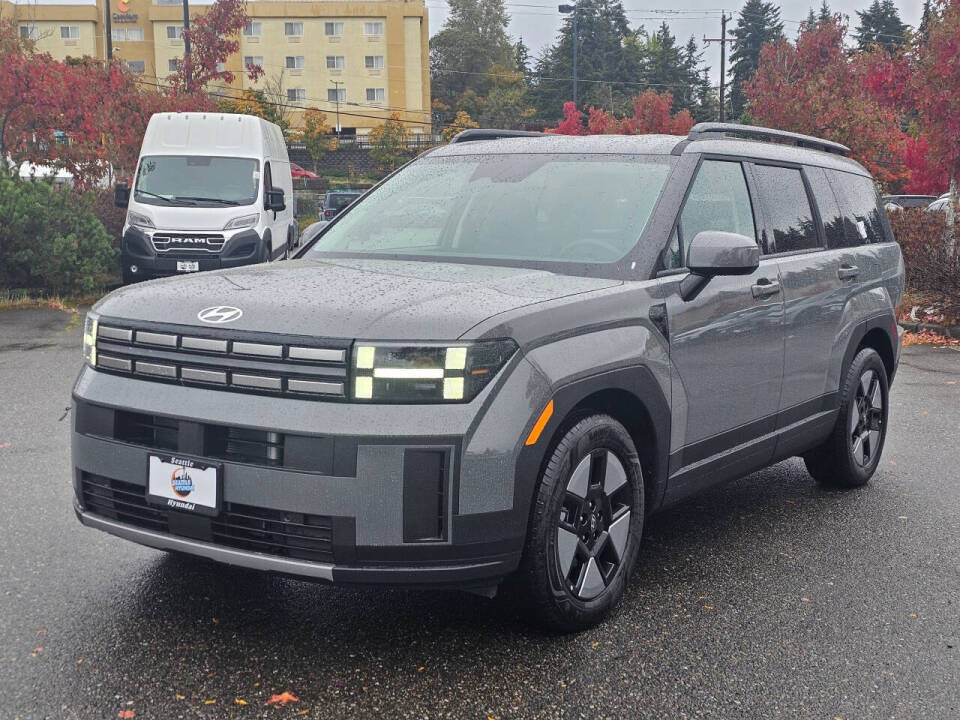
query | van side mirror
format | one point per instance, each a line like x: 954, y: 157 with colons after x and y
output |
x: 121, y: 195
x: 275, y: 200
x: 712, y: 253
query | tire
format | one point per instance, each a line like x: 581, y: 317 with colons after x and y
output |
x: 585, y: 527
x: 849, y: 457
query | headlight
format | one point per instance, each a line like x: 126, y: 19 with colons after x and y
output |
x: 243, y: 222
x: 90, y: 339
x: 138, y: 220
x: 435, y: 373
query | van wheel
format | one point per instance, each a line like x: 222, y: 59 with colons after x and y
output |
x: 585, y: 528
x: 849, y: 457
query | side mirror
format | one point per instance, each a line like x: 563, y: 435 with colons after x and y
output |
x: 275, y: 200
x: 712, y: 253
x: 121, y: 195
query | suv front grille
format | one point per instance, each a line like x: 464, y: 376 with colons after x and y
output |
x: 257, y: 363
x: 187, y: 243
x: 301, y: 536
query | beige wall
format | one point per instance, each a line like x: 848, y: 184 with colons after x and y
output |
x: 404, y: 77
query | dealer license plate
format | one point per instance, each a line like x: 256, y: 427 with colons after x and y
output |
x: 188, y: 265
x: 182, y: 483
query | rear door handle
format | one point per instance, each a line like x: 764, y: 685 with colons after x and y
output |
x: 765, y: 288
x: 848, y: 272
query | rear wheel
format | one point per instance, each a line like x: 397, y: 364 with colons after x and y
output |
x: 585, y: 530
x: 849, y: 457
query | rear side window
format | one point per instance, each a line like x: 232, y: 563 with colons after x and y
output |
x: 786, y: 210
x: 828, y: 206
x: 718, y: 200
x: 860, y: 203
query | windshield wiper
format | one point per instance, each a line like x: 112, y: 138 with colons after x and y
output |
x: 138, y: 191
x: 207, y: 199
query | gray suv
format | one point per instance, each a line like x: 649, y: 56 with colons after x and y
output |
x: 498, y: 363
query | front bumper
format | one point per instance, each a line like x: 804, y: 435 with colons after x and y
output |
x: 356, y: 470
x: 242, y: 248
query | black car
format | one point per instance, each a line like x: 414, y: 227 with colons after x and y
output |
x: 336, y: 200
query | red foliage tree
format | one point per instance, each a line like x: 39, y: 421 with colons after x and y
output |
x: 651, y: 114
x: 814, y: 87
x: 925, y: 179
x: 935, y: 90
x: 213, y: 37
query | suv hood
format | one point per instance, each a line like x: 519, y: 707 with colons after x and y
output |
x: 370, y: 299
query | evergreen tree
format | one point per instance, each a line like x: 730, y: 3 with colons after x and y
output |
x: 825, y: 14
x: 928, y: 16
x: 473, y: 40
x: 757, y: 24
x: 521, y: 58
x: 880, y: 24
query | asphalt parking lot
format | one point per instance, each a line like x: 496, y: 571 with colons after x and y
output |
x: 766, y: 597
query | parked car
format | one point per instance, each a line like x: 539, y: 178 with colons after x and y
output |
x: 941, y: 204
x: 298, y: 172
x: 899, y: 202
x: 210, y: 191
x: 484, y: 371
x: 336, y: 200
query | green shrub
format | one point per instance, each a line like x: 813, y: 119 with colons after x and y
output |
x: 51, y: 240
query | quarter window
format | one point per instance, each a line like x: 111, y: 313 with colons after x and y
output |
x: 786, y: 210
x: 827, y: 204
x: 718, y: 200
x: 860, y: 203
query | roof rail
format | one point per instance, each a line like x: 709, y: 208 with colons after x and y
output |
x: 702, y: 131
x: 491, y: 134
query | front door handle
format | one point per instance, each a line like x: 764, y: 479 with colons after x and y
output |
x: 848, y: 272
x: 765, y: 288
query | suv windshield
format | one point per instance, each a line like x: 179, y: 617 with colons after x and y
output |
x: 554, y: 208
x: 197, y: 180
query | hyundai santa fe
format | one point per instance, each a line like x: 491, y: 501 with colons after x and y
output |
x: 499, y: 362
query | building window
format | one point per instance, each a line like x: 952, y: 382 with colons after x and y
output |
x: 373, y: 28
x: 296, y: 62
x: 333, y: 29
x: 293, y: 29
x: 131, y: 34
x: 296, y: 95
x: 69, y: 32
x: 137, y: 67
x: 253, y: 60
x: 373, y: 62
x: 336, y: 62
x: 29, y: 32
x: 336, y: 94
x: 221, y: 67
x: 252, y: 29
x: 172, y: 65
x: 174, y: 32
x: 375, y: 95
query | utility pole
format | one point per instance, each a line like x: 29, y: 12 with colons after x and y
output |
x: 186, y: 44
x: 337, y: 84
x: 566, y: 10
x: 723, y: 40
x: 109, y: 24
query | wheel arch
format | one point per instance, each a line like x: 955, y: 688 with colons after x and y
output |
x: 631, y: 396
x: 880, y: 334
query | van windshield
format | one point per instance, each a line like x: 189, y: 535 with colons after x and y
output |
x: 511, y: 209
x: 197, y: 180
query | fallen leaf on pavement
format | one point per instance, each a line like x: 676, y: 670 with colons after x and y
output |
x: 209, y: 702
x: 283, y: 698
x: 126, y: 714
x: 240, y: 701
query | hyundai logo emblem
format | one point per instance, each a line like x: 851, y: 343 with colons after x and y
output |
x: 219, y: 314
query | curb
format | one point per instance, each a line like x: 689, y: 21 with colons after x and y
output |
x: 952, y: 331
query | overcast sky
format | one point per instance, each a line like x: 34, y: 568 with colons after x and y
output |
x: 537, y: 21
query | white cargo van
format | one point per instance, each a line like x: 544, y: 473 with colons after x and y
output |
x: 211, y: 190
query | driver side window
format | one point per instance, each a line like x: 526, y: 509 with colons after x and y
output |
x: 718, y: 200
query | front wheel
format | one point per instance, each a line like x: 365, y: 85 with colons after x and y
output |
x: 585, y: 529
x: 849, y: 457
